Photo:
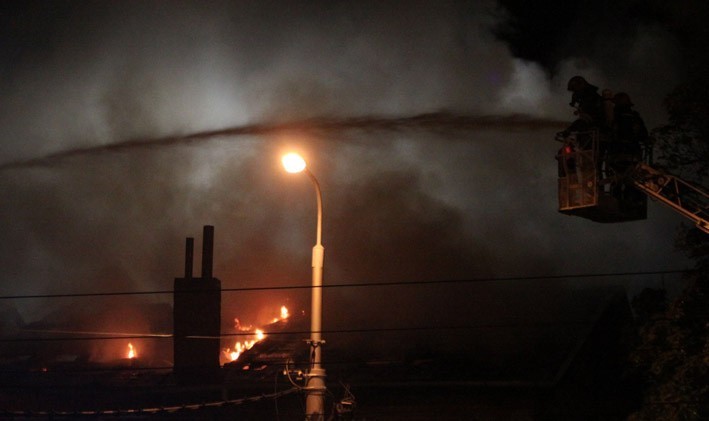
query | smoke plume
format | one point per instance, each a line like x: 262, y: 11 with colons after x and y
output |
x: 127, y: 126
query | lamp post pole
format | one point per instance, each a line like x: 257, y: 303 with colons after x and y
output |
x: 315, y: 384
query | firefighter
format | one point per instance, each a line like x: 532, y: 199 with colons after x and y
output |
x: 588, y: 104
x: 628, y: 127
x: 629, y: 133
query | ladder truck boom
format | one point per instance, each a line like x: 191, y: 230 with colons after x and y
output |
x: 690, y: 201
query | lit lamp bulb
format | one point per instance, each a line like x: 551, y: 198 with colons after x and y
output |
x: 293, y: 162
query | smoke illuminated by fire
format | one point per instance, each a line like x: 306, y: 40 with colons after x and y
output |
x: 257, y: 335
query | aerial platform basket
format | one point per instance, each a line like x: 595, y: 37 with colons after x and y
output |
x: 593, y: 184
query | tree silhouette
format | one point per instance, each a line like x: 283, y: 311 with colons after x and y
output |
x: 671, y: 359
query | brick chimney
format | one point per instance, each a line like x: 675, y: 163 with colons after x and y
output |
x: 197, y: 318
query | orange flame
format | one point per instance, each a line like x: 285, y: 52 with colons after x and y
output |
x: 131, y: 351
x: 258, y: 335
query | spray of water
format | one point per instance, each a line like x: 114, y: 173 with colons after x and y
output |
x: 432, y: 122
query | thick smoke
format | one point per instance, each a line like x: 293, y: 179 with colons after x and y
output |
x: 401, y: 203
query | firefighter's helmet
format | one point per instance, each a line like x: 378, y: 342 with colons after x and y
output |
x: 621, y: 98
x: 576, y: 84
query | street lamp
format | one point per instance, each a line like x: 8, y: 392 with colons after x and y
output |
x: 315, y: 385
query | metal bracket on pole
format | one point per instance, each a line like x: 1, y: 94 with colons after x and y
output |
x: 314, y: 344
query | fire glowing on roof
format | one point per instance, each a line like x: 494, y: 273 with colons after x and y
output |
x: 256, y: 335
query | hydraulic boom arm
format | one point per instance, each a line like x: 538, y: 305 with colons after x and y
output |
x: 689, y: 200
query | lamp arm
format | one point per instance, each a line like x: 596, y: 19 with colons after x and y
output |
x: 319, y: 196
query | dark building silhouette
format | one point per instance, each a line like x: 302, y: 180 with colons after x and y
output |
x: 591, y: 383
x: 197, y: 318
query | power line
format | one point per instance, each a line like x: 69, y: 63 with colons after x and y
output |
x: 97, y: 336
x: 353, y: 285
x: 91, y: 367
x: 94, y: 336
x: 151, y: 410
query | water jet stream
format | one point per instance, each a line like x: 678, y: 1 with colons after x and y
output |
x: 430, y: 122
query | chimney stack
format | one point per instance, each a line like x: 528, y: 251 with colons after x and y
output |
x: 197, y: 318
x: 207, y: 251
x: 189, y: 257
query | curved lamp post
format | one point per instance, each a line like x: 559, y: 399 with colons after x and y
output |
x: 315, y: 386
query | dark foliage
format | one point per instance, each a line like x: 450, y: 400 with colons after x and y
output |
x: 683, y: 143
x: 672, y: 356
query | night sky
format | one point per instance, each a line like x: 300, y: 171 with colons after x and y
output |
x: 403, y: 204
